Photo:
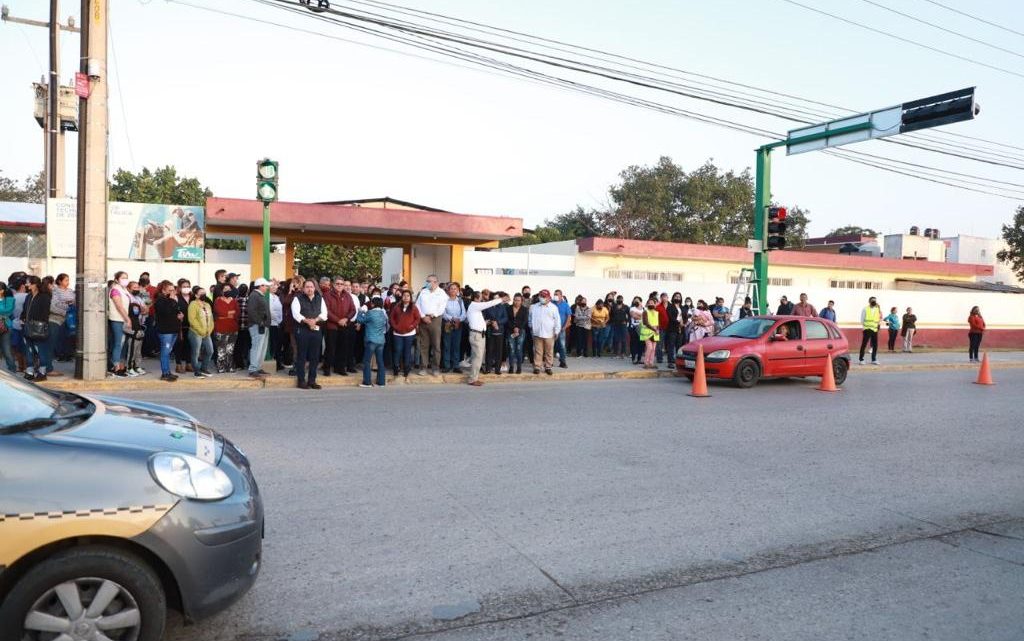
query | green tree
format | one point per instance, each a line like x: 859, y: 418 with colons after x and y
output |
x: 578, y: 223
x: 853, y: 229
x: 354, y: 263
x: 163, y: 186
x: 33, y: 190
x: 1013, y: 234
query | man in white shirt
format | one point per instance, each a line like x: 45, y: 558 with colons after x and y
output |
x: 545, y: 324
x: 431, y: 303
x: 309, y: 312
x: 478, y: 334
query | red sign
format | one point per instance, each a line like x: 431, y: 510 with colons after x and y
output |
x: 82, y: 84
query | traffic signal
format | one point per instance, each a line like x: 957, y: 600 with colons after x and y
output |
x: 266, y: 180
x: 776, y: 236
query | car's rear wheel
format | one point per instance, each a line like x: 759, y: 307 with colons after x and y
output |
x: 840, y: 368
x: 747, y: 373
x: 83, y: 594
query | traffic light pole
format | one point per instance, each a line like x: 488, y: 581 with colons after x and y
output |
x: 762, y: 199
x: 266, y: 240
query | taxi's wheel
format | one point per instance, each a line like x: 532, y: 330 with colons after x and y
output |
x: 84, y: 594
x: 747, y: 373
x: 840, y: 368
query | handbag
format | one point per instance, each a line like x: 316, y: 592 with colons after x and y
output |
x: 3, y: 325
x: 36, y: 330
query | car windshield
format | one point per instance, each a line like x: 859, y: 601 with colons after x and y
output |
x: 748, y: 328
x: 27, y: 406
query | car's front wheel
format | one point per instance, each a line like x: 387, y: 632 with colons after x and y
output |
x: 840, y: 368
x: 86, y: 593
x: 747, y: 373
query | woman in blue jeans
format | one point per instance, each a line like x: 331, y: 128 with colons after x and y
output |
x: 375, y: 323
x: 7, y: 322
x: 36, y: 313
x: 518, y: 324
x: 168, y: 326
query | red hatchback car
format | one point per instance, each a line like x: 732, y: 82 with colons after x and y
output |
x: 759, y: 347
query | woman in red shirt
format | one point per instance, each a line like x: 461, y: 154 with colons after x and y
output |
x: 225, y: 330
x: 404, y: 318
x: 975, y: 333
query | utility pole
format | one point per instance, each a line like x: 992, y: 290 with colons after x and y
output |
x: 53, y: 128
x: 91, y: 248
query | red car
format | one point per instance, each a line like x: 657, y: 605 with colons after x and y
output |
x: 759, y: 347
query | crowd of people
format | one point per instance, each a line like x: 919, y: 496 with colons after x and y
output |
x: 335, y: 326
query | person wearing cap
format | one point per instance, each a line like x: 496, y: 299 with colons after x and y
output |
x: 478, y: 334
x: 545, y: 325
x: 258, y: 320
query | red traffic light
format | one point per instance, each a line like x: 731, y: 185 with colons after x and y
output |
x: 777, y: 213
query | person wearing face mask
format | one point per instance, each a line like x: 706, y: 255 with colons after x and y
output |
x: 582, y: 316
x: 636, y: 346
x: 545, y: 323
x: 870, y: 320
x: 564, y: 311
x: 599, y: 321
x: 117, y: 317
x: 618, y: 320
x: 747, y: 309
x: 200, y: 332
x: 650, y: 333
x: 673, y: 332
x: 134, y: 332
x: 182, y: 355
x: 703, y: 322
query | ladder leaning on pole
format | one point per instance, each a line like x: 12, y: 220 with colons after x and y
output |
x: 744, y: 282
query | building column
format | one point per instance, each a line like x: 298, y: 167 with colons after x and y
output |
x: 255, y: 256
x: 407, y: 263
x: 456, y: 263
x: 289, y: 258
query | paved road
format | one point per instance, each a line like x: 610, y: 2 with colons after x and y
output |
x: 626, y: 510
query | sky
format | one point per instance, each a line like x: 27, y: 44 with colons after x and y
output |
x: 211, y: 94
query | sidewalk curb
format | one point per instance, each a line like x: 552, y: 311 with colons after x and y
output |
x: 228, y: 382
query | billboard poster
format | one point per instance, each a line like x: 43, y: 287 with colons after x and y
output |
x: 135, y: 231
x: 155, y: 232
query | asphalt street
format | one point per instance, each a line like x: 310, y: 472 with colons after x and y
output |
x: 628, y: 510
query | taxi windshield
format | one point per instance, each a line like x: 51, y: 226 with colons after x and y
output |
x: 748, y: 328
x: 27, y: 406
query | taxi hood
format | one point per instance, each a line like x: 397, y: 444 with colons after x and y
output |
x: 137, y: 425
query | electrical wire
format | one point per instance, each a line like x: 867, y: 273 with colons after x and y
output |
x: 120, y: 96
x: 941, y: 28
x: 973, y: 17
x: 422, y: 41
x: 902, y: 39
x: 648, y: 67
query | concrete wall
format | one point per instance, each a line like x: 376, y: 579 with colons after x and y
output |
x: 562, y: 247
x: 478, y: 265
x: 430, y: 259
x: 915, y: 248
x: 391, y: 265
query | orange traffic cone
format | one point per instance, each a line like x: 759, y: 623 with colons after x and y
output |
x: 828, y: 377
x: 985, y: 373
x: 700, y: 381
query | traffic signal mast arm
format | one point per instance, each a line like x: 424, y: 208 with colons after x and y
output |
x: 769, y: 222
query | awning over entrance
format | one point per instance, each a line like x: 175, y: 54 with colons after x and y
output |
x: 431, y: 241
x: 381, y: 226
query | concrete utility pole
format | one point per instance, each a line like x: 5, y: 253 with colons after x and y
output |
x: 53, y: 129
x: 91, y: 248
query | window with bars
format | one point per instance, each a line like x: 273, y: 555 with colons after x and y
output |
x: 14, y: 244
x: 855, y: 284
x: 772, y: 282
x: 631, y: 274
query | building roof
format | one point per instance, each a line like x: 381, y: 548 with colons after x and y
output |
x: 22, y: 214
x: 841, y: 239
x: 689, y: 251
x: 978, y: 285
x: 385, y: 200
x: 377, y: 222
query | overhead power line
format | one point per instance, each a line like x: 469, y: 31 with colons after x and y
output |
x: 906, y: 40
x: 974, y: 17
x: 941, y: 28
x: 423, y: 41
x: 650, y: 67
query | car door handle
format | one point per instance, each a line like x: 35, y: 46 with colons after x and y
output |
x: 799, y: 348
x: 830, y: 346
